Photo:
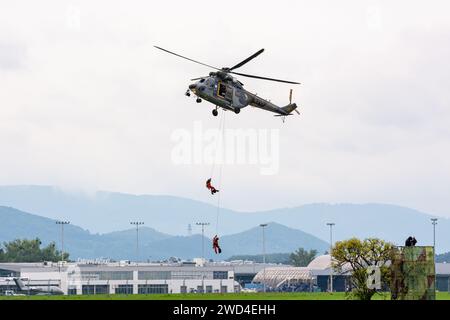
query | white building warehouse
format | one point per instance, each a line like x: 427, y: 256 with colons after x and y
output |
x: 317, y: 273
x: 119, y: 278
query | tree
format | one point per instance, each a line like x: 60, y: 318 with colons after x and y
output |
x: 29, y: 251
x: 443, y: 258
x: 301, y: 257
x: 358, y: 255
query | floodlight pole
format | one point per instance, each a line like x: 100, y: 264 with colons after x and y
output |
x: 263, y: 225
x: 203, y: 224
x: 331, y: 224
x: 62, y: 223
x: 137, y: 224
x: 434, y: 223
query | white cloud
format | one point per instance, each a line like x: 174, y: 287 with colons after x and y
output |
x: 91, y: 104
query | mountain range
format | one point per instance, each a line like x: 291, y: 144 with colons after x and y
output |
x: 153, y: 245
x: 106, y: 212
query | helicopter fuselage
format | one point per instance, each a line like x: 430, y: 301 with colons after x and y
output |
x: 226, y: 92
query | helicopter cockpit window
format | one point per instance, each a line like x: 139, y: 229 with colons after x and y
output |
x: 210, y: 83
x: 202, y: 80
x: 222, y: 90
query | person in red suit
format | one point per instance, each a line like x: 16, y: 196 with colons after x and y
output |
x: 210, y: 187
x: 216, y: 246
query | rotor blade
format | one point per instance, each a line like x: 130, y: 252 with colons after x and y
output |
x: 264, y: 78
x: 253, y: 56
x: 195, y: 79
x: 175, y: 54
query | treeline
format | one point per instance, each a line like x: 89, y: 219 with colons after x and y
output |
x: 298, y: 258
x: 23, y: 250
x: 444, y: 257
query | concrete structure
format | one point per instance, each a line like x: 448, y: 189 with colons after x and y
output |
x: 124, y: 278
x: 443, y: 277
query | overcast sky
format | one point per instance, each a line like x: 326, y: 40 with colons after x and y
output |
x: 87, y: 103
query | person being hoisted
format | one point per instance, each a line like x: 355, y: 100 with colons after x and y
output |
x: 216, y: 245
x: 210, y: 187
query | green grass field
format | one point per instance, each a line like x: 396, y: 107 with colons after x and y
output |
x: 215, y: 296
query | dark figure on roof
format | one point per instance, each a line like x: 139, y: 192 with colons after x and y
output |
x: 413, y: 241
x: 210, y: 187
x: 408, y: 242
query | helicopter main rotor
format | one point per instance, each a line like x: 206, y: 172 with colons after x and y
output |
x: 230, y: 70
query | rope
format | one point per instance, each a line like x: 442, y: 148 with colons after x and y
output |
x: 220, y: 173
x: 219, y: 129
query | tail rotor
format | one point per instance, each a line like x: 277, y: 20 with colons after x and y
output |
x: 290, y: 101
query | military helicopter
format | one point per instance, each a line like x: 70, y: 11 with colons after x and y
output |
x: 226, y: 92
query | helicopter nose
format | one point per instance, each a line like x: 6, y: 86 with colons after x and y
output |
x: 193, y: 86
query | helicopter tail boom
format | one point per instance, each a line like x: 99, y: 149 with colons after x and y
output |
x: 289, y: 108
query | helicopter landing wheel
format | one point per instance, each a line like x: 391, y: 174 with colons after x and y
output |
x: 198, y: 100
x: 188, y: 94
x: 215, y: 112
x: 237, y: 110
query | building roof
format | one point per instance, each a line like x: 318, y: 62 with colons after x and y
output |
x: 321, y: 262
x: 35, y: 267
x: 110, y: 267
x: 274, y: 277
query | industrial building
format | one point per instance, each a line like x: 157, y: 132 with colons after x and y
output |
x: 316, y: 277
x: 103, y: 277
x: 122, y: 278
x: 97, y: 277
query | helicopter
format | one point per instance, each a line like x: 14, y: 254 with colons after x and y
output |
x: 224, y: 91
